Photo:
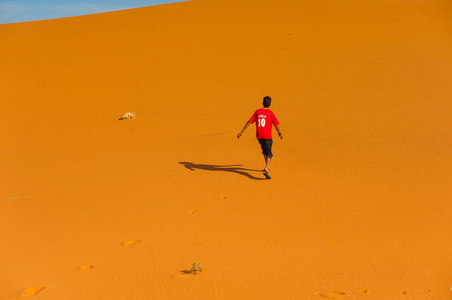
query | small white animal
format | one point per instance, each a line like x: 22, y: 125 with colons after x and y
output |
x: 127, y: 115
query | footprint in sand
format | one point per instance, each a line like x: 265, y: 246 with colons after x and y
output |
x: 363, y: 291
x: 86, y: 267
x: 331, y: 295
x: 219, y: 199
x: 30, y: 292
x: 132, y: 242
x: 193, y: 211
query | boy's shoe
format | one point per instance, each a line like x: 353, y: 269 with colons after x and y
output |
x: 267, y: 175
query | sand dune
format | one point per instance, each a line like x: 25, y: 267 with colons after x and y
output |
x: 359, y: 204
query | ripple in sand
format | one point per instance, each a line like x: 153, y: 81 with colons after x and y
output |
x: 15, y: 198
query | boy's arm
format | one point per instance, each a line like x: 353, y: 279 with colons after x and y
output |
x: 244, y: 128
x: 279, y: 131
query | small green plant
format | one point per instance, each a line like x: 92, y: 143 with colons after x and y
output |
x: 195, y: 267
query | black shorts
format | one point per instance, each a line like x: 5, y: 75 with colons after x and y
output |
x: 266, y: 146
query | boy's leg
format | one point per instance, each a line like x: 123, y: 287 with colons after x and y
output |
x: 266, y: 146
x: 261, y: 142
x: 267, y: 164
x: 268, y: 155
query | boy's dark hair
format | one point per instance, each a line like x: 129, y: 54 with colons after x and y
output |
x: 267, y: 101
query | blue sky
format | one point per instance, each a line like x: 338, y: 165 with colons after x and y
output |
x: 12, y: 11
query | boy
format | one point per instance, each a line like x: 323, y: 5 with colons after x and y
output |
x: 264, y: 119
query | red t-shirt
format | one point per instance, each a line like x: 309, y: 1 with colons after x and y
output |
x: 264, y: 119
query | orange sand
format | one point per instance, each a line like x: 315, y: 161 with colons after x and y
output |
x: 359, y: 206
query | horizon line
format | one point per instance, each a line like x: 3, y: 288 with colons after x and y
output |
x: 11, y: 13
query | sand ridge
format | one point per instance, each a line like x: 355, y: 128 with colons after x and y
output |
x: 358, y: 207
